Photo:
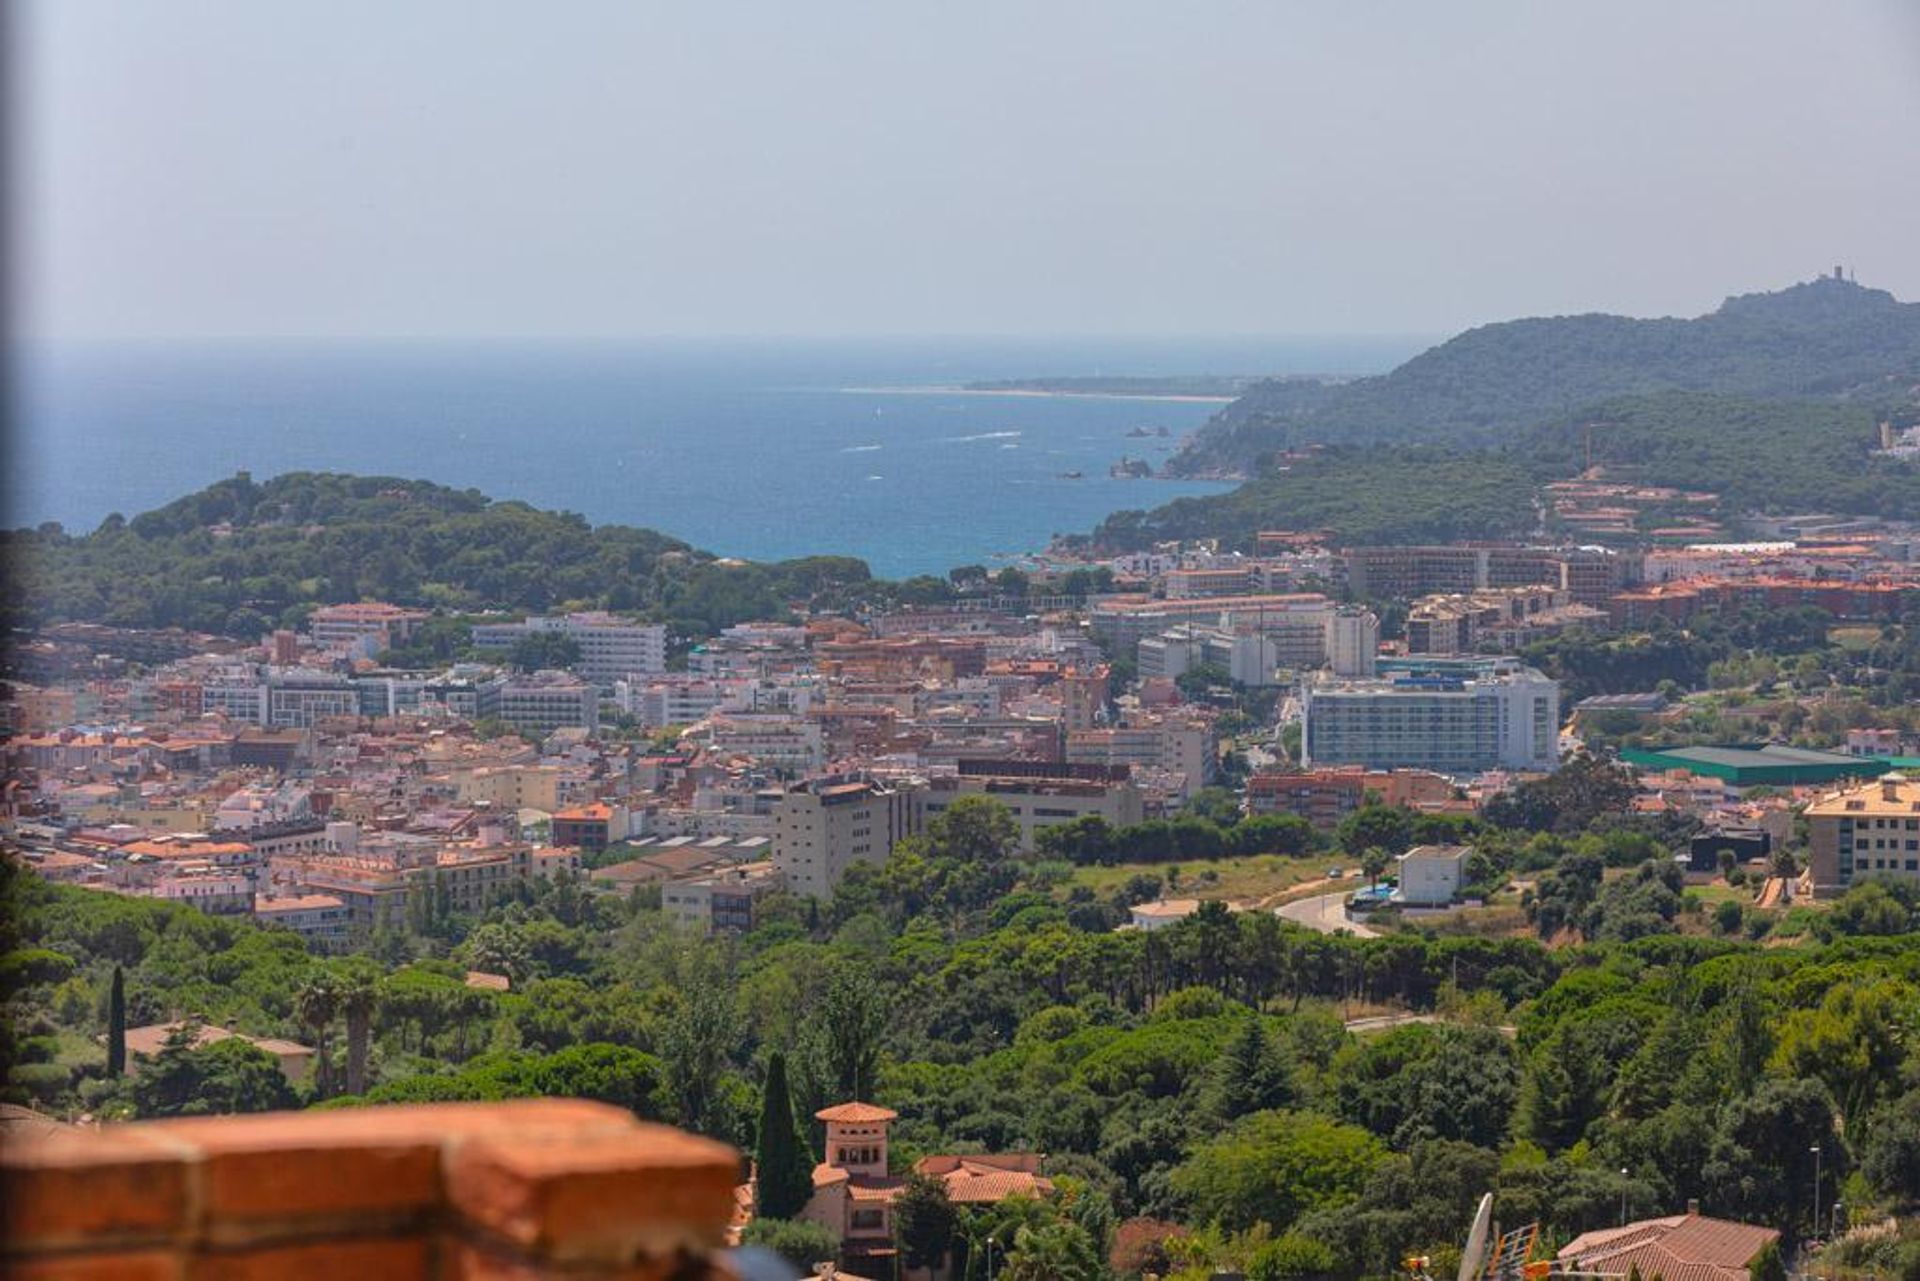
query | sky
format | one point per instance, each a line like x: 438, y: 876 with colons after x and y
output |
x: 480, y: 168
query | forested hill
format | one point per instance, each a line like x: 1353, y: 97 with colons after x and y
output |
x: 1827, y: 338
x: 240, y: 556
x: 1757, y: 455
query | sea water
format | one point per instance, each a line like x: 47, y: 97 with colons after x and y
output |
x: 755, y: 448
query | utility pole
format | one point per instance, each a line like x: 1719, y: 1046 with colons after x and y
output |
x: 1815, y: 1149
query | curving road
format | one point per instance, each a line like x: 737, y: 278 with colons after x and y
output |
x: 1326, y: 913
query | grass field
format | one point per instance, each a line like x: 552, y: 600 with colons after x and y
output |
x: 1254, y: 877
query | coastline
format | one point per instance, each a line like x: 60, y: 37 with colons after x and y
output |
x: 1034, y: 393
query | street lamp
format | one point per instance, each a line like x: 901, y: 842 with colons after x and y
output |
x: 1834, y: 1219
x: 1815, y: 1149
x: 1623, y: 1196
x: 990, y: 1245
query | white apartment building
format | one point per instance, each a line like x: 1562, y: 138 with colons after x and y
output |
x: 611, y: 648
x: 824, y: 826
x: 547, y: 701
x: 1188, y: 748
x: 723, y: 901
x: 779, y: 742
x: 1298, y: 621
x: 1353, y: 642
x: 680, y: 698
x: 369, y: 626
x: 1038, y: 795
x: 1453, y: 716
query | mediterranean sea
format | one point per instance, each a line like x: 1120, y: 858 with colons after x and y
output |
x: 765, y: 449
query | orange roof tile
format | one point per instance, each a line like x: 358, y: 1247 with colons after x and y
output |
x: 855, y: 1113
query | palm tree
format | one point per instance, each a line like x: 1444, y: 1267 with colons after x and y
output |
x: 316, y: 1004
x: 359, y: 999
x: 1374, y: 862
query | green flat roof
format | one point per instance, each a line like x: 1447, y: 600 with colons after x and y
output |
x: 1765, y: 763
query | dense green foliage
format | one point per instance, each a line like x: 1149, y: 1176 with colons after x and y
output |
x: 1824, y: 338
x: 240, y: 557
x: 1365, y: 496
x: 1770, y: 402
x: 783, y: 1166
x: 1198, y: 1075
x: 1758, y: 455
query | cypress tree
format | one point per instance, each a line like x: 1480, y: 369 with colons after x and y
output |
x: 117, y: 1025
x: 785, y: 1168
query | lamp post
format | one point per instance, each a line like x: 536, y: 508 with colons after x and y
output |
x: 1815, y: 1149
x: 990, y: 1245
x: 1623, y: 1196
x: 1833, y: 1220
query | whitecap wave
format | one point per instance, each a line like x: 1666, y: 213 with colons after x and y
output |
x: 861, y: 449
x: 985, y: 435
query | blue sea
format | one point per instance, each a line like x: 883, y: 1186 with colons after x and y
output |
x: 756, y: 448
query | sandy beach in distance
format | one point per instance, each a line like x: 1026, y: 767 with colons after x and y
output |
x: 1034, y: 393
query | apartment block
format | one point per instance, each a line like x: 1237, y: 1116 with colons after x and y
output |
x: 1039, y: 794
x: 824, y: 826
x: 1453, y: 716
x: 369, y: 625
x: 721, y: 902
x: 546, y: 701
x: 1858, y: 832
x: 611, y: 648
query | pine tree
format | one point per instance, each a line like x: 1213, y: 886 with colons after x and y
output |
x: 785, y: 1169
x: 117, y: 1024
x: 1250, y: 1076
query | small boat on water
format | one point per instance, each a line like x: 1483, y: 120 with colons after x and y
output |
x: 1073, y: 475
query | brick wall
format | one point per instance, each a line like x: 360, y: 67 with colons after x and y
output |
x: 547, y: 1188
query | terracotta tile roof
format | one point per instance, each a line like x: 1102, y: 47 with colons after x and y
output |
x: 879, y: 1191
x: 974, y: 1184
x: 855, y: 1113
x: 1683, y: 1247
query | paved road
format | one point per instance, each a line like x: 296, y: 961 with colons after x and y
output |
x: 1324, y: 912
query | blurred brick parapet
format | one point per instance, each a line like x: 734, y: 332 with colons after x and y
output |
x: 519, y: 1191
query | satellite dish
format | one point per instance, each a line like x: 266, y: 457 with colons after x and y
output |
x: 1475, y: 1254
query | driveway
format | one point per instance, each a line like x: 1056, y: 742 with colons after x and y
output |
x: 1326, y: 913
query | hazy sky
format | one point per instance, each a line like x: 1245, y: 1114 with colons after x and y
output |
x: 469, y: 167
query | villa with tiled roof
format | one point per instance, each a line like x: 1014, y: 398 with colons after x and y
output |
x: 854, y: 1189
x: 1680, y: 1247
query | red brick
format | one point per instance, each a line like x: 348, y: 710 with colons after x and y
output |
x: 467, y: 1261
x: 288, y: 1166
x: 139, y: 1265
x: 93, y: 1187
x: 392, y: 1259
x: 599, y: 1195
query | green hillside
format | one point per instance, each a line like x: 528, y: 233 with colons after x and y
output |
x: 1825, y: 339
x: 1759, y: 455
x: 240, y: 556
x: 1363, y: 495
